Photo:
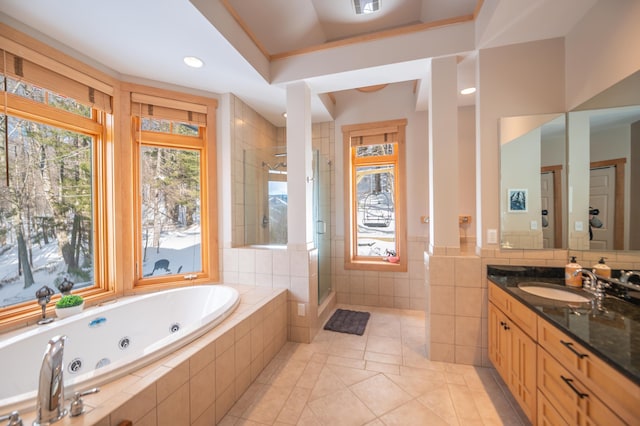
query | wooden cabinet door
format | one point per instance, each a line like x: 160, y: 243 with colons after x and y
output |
x: 522, y: 369
x: 498, y: 345
x: 513, y: 354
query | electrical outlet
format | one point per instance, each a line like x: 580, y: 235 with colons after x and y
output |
x: 301, y: 310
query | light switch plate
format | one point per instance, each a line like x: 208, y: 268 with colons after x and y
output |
x: 579, y: 226
x: 492, y: 236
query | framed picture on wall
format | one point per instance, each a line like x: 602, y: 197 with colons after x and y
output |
x: 517, y: 200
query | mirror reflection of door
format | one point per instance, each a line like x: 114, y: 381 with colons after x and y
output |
x: 606, y: 194
x: 602, y: 199
x: 548, y: 222
x: 551, y: 204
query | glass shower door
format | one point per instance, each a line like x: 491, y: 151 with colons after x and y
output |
x: 322, y: 220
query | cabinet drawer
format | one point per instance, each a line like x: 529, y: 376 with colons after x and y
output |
x: 522, y: 316
x: 613, y: 388
x: 572, y: 399
x: 547, y: 413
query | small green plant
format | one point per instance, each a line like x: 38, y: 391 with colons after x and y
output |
x: 69, y: 301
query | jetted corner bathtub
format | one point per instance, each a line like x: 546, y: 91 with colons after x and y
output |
x: 107, y: 342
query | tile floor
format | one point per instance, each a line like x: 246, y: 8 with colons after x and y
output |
x: 380, y: 378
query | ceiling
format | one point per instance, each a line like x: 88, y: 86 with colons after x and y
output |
x: 254, y: 49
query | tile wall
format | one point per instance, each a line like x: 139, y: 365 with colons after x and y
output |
x: 456, y: 291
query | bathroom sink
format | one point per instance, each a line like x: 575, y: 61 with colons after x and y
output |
x: 549, y: 291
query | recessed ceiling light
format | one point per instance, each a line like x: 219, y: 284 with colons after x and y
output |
x: 284, y: 114
x: 468, y: 91
x: 193, y: 62
x: 366, y: 6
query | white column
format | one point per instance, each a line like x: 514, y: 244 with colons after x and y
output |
x: 299, y: 167
x: 443, y: 154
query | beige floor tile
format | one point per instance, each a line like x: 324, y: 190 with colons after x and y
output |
x: 380, y: 394
x: 350, y: 376
x: 385, y: 329
x: 288, y: 374
x: 412, y: 413
x: 384, y: 345
x: 266, y: 408
x: 418, y: 384
x: 346, y: 362
x: 346, y: 352
x: 310, y: 375
x: 495, y: 410
x: 380, y: 378
x: 294, y: 406
x: 463, y: 402
x: 349, y: 341
x: 383, y: 358
x: 341, y: 408
x: 307, y: 418
x: 438, y: 400
x: 328, y: 382
x: 383, y: 368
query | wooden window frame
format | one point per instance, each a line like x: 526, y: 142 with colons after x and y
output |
x: 396, y: 130
x: 100, y: 127
x: 202, y: 114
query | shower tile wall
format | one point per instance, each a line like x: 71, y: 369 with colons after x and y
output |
x: 277, y: 267
x: 249, y: 131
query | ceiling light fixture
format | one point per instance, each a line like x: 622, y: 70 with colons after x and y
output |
x: 366, y: 6
x: 468, y: 91
x: 284, y: 114
x: 193, y: 62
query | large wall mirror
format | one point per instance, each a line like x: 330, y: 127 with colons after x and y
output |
x: 604, y: 150
x: 573, y: 180
x: 532, y: 181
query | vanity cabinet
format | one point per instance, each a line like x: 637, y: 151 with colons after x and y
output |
x: 555, y: 379
x: 608, y: 397
x: 512, y: 350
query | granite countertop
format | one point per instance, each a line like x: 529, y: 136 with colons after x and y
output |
x: 611, y: 332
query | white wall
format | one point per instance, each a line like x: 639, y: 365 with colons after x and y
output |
x: 521, y: 79
x: 602, y: 49
x: 393, y: 102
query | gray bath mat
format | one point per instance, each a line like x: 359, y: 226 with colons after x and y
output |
x: 346, y: 321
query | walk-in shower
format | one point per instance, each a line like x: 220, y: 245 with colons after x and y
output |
x: 266, y: 205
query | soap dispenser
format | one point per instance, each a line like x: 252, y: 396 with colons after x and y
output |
x: 570, y: 277
x: 602, y: 269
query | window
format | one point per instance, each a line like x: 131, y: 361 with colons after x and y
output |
x: 52, y: 174
x: 375, y: 236
x: 170, y: 197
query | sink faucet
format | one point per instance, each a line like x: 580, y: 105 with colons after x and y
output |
x: 43, y: 294
x: 50, y: 401
x: 593, y: 284
x: 624, y: 276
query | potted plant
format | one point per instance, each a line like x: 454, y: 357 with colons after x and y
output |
x: 69, y: 305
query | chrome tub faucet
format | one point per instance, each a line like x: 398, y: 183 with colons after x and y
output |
x: 50, y: 400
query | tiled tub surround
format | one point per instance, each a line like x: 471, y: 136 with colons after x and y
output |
x: 106, y: 342
x: 613, y: 334
x: 199, y: 383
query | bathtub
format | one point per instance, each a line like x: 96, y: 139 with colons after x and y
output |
x: 107, y: 342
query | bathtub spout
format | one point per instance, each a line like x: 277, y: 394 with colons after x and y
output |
x: 50, y: 401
